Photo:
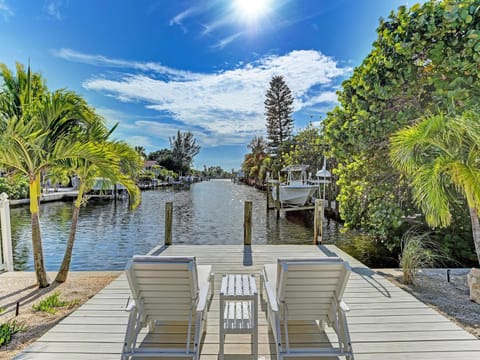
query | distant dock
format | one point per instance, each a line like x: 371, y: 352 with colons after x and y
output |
x: 48, y: 197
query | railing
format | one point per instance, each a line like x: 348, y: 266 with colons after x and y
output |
x: 6, y: 263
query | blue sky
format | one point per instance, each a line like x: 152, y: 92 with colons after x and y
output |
x: 156, y: 67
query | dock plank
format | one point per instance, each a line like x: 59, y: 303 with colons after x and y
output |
x: 385, y: 321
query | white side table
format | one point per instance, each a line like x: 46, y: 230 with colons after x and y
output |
x: 239, y: 309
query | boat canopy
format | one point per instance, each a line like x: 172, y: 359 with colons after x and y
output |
x: 324, y: 173
x: 295, y: 168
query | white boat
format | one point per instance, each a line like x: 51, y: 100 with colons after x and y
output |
x: 296, y: 191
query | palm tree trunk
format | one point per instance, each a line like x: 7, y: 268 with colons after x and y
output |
x: 38, y: 260
x: 475, y: 230
x: 67, y: 258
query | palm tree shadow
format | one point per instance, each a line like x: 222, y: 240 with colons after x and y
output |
x: 27, y: 298
x: 368, y: 275
x: 365, y: 273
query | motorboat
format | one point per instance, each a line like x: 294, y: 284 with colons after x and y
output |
x: 296, y: 190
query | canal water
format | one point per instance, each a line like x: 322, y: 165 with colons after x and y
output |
x: 108, y: 233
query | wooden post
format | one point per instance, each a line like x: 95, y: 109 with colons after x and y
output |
x: 317, y: 222
x: 6, y: 232
x: 247, y: 224
x: 268, y: 195
x: 168, y: 223
x: 330, y: 195
x: 277, y: 202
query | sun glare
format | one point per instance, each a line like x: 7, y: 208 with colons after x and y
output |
x: 251, y: 10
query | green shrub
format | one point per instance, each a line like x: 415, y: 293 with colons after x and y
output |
x: 418, y: 251
x: 15, y: 188
x: 8, y: 329
x: 51, y: 303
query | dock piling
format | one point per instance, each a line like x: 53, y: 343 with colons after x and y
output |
x: 268, y: 195
x: 168, y: 222
x: 317, y: 222
x: 277, y: 202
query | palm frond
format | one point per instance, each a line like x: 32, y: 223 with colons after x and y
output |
x: 430, y: 187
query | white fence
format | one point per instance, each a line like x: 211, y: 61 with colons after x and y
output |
x: 6, y: 260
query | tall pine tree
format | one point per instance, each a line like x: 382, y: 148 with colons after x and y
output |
x: 278, y: 111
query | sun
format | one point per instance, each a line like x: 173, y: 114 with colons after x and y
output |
x: 251, y: 10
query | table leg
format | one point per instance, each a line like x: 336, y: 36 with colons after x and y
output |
x: 222, y: 335
x: 255, y: 327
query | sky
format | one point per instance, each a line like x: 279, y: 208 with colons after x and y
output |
x: 156, y: 67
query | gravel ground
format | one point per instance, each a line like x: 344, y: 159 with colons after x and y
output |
x: 449, y: 298
x: 21, y: 287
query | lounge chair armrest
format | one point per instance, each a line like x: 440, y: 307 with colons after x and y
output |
x: 270, y: 294
x: 202, y: 297
x: 344, y: 306
x: 130, y: 305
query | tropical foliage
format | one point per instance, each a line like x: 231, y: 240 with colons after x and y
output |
x: 424, y: 60
x: 418, y: 251
x: 184, y: 148
x: 179, y: 158
x: 42, y: 131
x: 441, y: 157
x: 252, y: 165
x: 15, y: 188
x: 123, y: 170
x: 52, y: 303
x: 306, y: 148
x: 10, y: 328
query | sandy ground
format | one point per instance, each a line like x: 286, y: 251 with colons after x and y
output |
x: 21, y: 287
x: 449, y: 298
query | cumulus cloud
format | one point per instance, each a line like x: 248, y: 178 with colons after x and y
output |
x: 5, y: 10
x: 221, y: 108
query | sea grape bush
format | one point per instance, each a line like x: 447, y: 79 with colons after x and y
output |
x: 424, y: 61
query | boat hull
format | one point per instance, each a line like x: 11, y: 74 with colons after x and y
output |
x: 294, y: 195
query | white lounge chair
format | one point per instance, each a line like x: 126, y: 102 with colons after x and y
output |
x: 307, y: 291
x: 165, y: 290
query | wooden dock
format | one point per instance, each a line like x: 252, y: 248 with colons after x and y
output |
x: 385, y: 321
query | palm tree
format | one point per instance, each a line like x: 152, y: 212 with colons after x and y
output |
x: 253, y: 161
x: 122, y: 170
x: 441, y: 155
x: 141, y: 151
x: 38, y: 131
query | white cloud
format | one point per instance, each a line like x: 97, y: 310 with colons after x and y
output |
x: 324, y: 97
x: 225, y: 107
x: 5, y: 10
x: 100, y: 60
x: 135, y: 140
x: 180, y: 17
x: 52, y: 8
x: 224, y: 42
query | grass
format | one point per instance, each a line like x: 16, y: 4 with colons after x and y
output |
x: 418, y: 252
x: 8, y: 329
x: 52, y: 303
